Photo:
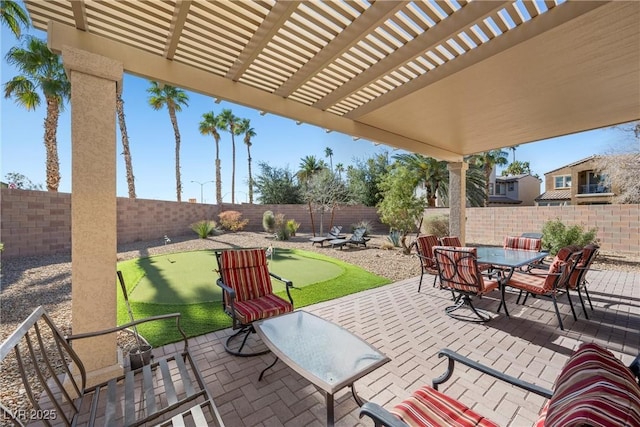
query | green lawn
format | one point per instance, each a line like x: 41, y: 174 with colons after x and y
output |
x: 185, y: 283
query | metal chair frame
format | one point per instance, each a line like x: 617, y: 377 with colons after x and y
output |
x: 427, y: 260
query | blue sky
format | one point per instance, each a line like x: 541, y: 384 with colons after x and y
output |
x: 279, y: 142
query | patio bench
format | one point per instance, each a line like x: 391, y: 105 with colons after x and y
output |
x: 169, y: 391
x: 593, y: 388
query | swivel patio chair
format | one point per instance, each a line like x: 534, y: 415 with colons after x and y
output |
x: 248, y: 293
x: 454, y: 242
x: 424, y: 251
x: 578, y: 281
x: 549, y: 283
x: 458, y: 271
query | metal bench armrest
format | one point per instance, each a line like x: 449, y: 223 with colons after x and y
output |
x: 380, y: 416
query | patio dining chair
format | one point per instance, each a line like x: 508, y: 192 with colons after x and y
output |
x: 577, y: 280
x: 424, y: 251
x: 248, y: 293
x: 454, y: 242
x: 548, y: 283
x: 458, y: 270
x: 522, y: 243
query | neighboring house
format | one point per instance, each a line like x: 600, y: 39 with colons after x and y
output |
x: 577, y: 183
x: 513, y: 190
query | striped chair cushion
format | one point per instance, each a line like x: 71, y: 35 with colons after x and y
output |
x: 451, y: 241
x: 594, y: 389
x: 583, y: 263
x: 429, y: 407
x: 459, y: 270
x: 261, y: 308
x: 523, y: 243
x: 538, y: 284
x: 425, y: 250
x: 246, y: 272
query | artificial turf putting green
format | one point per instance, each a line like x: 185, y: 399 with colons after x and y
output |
x: 190, y: 277
x: 204, y: 317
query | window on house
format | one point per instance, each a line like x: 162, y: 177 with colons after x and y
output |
x: 501, y: 189
x: 491, y: 189
x: 512, y: 186
x: 562, y: 181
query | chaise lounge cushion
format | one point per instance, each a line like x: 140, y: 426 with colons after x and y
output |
x: 429, y: 407
x: 594, y: 388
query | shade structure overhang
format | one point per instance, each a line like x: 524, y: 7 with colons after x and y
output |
x: 441, y: 78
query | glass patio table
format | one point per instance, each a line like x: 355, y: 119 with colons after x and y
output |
x: 326, y: 354
x: 509, y: 260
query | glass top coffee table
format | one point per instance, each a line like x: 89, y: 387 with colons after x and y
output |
x: 327, y: 355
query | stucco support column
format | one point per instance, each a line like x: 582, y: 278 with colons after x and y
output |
x: 94, y: 81
x: 457, y: 199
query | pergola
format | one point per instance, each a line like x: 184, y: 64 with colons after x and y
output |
x: 441, y: 78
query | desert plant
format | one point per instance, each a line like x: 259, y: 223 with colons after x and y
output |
x: 363, y: 223
x: 281, y: 229
x: 203, y: 228
x: 394, y: 237
x: 556, y: 235
x: 232, y: 220
x: 268, y: 222
x: 437, y: 225
x: 292, y: 226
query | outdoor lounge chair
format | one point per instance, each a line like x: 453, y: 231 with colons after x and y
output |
x: 357, y: 238
x: 424, y: 248
x: 593, y: 388
x: 458, y: 271
x: 334, y: 233
x: 248, y: 294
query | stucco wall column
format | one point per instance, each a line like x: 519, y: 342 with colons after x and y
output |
x: 94, y: 80
x: 457, y: 199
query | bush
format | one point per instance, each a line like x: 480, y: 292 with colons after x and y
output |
x: 292, y: 226
x: 203, y: 228
x: 281, y: 229
x: 394, y: 237
x: 437, y: 225
x: 268, y: 222
x: 556, y: 235
x: 231, y: 220
x: 363, y: 224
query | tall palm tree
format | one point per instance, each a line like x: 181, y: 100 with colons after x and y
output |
x: 309, y: 165
x: 340, y: 169
x: 131, y: 185
x: 173, y: 98
x: 487, y: 161
x: 14, y: 17
x: 209, y: 126
x: 229, y: 123
x: 41, y: 70
x: 328, y: 152
x: 513, y: 149
x: 249, y: 132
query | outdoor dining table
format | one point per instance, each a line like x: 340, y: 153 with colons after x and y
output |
x: 509, y: 260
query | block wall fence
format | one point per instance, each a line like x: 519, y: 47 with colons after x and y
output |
x: 39, y: 222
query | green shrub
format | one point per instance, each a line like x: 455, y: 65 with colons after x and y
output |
x: 281, y: 229
x: 231, y: 220
x: 203, y: 228
x: 363, y: 224
x: 556, y: 235
x: 292, y: 226
x: 268, y: 222
x: 437, y: 225
x: 394, y: 237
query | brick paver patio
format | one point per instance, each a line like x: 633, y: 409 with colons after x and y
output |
x: 410, y: 328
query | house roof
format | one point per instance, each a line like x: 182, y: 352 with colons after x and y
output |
x: 555, y: 195
x: 570, y: 165
x: 512, y: 177
x: 441, y: 78
x: 504, y: 200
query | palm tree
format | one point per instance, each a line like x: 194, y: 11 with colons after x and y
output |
x: 209, y: 126
x: 173, y: 98
x: 309, y: 165
x: 131, y: 185
x: 14, y: 17
x: 328, y: 152
x: 339, y: 169
x: 43, y: 70
x: 487, y: 161
x: 229, y: 123
x: 513, y: 149
x: 249, y: 132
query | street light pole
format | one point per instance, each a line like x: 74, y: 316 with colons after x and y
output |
x: 201, y: 187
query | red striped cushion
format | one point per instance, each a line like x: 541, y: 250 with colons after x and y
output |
x: 429, y: 407
x: 539, y: 284
x: 460, y: 270
x: 587, y: 253
x: 261, y: 308
x: 425, y: 248
x: 594, y: 388
x: 246, y: 272
x: 451, y: 241
x: 524, y: 243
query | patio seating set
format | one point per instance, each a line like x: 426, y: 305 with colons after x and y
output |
x: 171, y: 391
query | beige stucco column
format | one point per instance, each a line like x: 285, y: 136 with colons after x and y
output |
x: 457, y: 199
x: 94, y: 80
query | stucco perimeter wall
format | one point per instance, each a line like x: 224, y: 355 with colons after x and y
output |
x: 39, y: 222
x: 618, y: 225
